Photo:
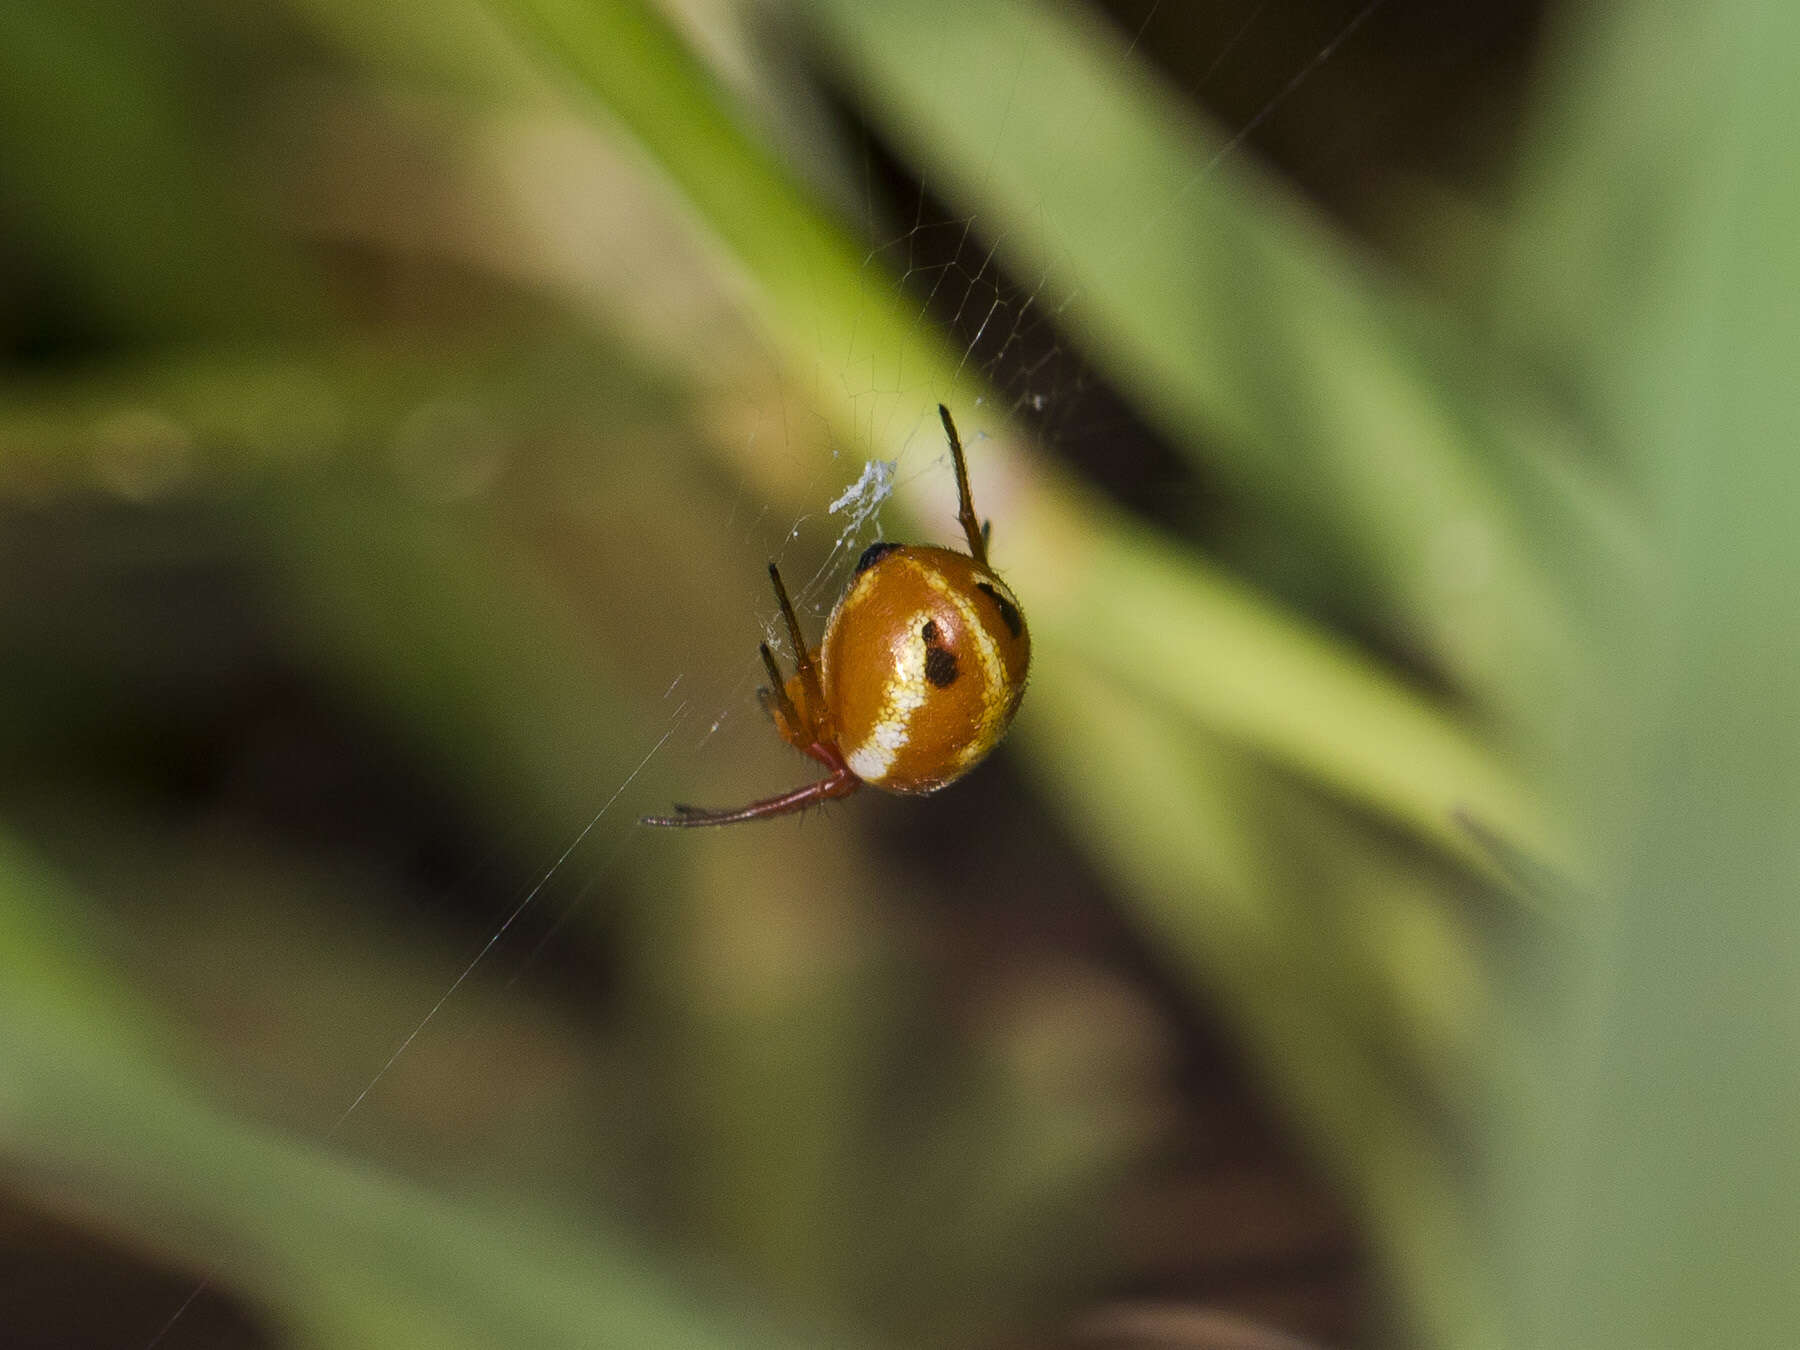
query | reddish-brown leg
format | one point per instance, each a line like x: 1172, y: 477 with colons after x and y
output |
x: 781, y: 709
x: 799, y: 725
x: 975, y: 532
x: 840, y: 783
x: 811, y: 686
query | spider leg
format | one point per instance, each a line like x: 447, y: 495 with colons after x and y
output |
x: 838, y: 784
x: 973, y: 530
x: 776, y: 702
x: 809, y: 673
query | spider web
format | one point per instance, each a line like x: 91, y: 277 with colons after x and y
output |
x: 949, y: 273
x: 1009, y: 331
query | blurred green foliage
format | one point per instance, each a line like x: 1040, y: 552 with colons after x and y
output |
x: 469, y: 358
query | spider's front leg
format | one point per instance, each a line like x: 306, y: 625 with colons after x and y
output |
x: 795, y: 729
x: 797, y: 707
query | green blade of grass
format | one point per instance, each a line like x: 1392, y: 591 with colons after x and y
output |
x: 1248, y: 334
x: 1170, y: 818
x: 844, y: 337
x: 1606, y: 186
x: 1653, y: 1200
x: 1169, y: 627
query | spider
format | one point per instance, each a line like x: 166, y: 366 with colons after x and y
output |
x: 921, y: 670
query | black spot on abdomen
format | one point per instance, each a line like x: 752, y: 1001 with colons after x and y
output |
x: 1009, y: 612
x: 872, y: 555
x: 940, y: 666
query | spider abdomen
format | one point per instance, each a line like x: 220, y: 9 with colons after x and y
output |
x: 924, y: 664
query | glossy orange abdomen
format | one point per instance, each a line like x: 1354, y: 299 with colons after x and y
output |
x: 924, y: 664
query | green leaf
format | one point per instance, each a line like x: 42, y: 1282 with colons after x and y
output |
x: 1255, y: 340
x: 1182, y: 826
x: 1653, y: 1196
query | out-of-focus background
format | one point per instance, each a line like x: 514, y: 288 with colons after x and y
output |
x: 1379, y: 928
